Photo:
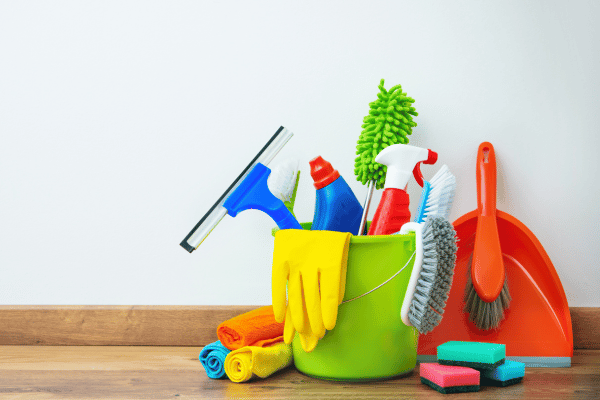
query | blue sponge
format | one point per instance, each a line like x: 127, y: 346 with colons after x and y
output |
x: 509, y: 373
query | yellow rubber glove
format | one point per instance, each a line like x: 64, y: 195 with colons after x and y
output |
x: 308, y: 339
x: 313, y: 264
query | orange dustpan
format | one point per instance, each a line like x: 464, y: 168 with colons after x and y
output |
x: 537, y: 326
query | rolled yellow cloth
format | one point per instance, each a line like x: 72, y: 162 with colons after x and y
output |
x: 243, y: 364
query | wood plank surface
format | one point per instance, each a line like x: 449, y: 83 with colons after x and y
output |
x: 167, y: 325
x: 79, y: 372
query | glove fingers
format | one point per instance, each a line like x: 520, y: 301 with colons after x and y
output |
x: 330, y: 297
x: 296, y: 304
x: 288, y: 328
x: 280, y: 274
x: 308, y: 342
x: 312, y: 297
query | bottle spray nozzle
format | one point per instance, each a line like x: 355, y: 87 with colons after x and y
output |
x: 401, y: 159
x: 431, y: 159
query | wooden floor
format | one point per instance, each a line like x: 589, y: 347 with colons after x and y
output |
x: 93, y: 372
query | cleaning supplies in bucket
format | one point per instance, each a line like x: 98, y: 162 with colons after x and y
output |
x: 249, y: 190
x: 312, y: 265
x: 336, y: 208
x: 400, y: 160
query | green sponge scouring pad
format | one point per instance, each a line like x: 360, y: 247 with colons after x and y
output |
x: 390, y: 121
x: 477, y: 355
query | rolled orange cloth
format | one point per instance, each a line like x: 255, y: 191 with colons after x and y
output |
x: 254, y: 328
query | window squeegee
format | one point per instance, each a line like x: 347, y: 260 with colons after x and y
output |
x: 253, y: 193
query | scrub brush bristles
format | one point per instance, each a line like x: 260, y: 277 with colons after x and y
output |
x: 283, y: 182
x: 485, y: 315
x: 389, y: 122
x: 435, y: 278
x: 437, y: 196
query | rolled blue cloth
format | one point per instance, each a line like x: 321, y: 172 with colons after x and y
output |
x: 212, y: 358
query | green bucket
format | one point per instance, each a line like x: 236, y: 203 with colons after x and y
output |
x: 369, y: 341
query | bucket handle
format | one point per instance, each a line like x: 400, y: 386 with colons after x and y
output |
x: 375, y: 288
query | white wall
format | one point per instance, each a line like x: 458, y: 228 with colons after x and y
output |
x: 122, y: 122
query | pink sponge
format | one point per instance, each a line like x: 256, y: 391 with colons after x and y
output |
x: 449, y: 379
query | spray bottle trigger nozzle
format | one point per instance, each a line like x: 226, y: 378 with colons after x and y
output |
x: 432, y: 157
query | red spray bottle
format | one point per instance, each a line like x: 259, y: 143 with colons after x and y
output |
x: 393, y: 211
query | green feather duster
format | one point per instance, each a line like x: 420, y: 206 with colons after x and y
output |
x: 390, y: 121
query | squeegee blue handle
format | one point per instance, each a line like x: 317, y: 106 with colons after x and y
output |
x: 253, y: 193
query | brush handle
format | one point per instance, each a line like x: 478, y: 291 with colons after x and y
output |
x: 487, y: 272
x: 486, y: 179
x: 423, y: 202
x: 417, y: 228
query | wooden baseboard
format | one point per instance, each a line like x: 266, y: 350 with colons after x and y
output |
x: 113, y: 325
x: 167, y: 325
x: 586, y: 327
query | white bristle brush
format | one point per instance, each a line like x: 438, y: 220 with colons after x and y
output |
x: 437, y: 195
x: 283, y: 182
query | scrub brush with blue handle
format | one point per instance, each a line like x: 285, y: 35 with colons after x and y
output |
x: 437, y: 195
x: 431, y: 277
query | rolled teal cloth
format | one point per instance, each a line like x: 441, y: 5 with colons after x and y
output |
x: 212, y: 358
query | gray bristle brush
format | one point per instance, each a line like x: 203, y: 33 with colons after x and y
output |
x: 486, y: 293
x: 485, y: 315
x: 431, y: 279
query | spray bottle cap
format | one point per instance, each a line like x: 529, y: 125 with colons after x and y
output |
x: 322, y: 172
x: 401, y: 160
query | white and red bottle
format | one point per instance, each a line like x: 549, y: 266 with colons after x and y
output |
x: 401, y: 160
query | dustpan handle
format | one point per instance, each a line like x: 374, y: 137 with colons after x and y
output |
x: 486, y: 179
